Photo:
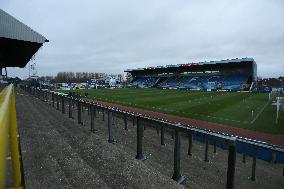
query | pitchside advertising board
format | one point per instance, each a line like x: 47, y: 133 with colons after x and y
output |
x: 267, y: 89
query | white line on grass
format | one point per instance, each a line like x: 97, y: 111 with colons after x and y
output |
x: 262, y: 109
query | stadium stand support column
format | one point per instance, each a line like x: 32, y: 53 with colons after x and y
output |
x: 79, y: 107
x: 89, y: 107
x: 133, y: 121
x: 63, y: 104
x: 157, y: 129
x: 144, y: 127
x: 82, y: 107
x: 57, y: 102
x: 103, y: 116
x: 43, y: 96
x: 46, y: 99
x: 52, y: 98
x: 173, y: 133
x: 162, y: 135
x: 125, y: 122
x: 95, y: 112
x: 113, y: 119
x: 231, y: 166
x: 39, y: 94
x: 110, y: 135
x: 73, y: 107
x: 244, y: 153
x: 214, y: 146
x: 92, y: 109
x: 33, y: 92
x: 70, y: 107
x: 206, y: 148
x: 189, y: 144
x: 177, y: 175
x: 139, y: 154
x: 253, y: 164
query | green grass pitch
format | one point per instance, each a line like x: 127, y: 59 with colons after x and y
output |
x: 230, y: 108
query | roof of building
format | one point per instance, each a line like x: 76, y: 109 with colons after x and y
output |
x: 18, y: 42
x: 237, y: 60
x: 14, y: 29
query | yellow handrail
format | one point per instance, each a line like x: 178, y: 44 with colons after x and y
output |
x: 8, y: 131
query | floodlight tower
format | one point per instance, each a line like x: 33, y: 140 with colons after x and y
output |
x: 3, y: 76
x: 32, y: 70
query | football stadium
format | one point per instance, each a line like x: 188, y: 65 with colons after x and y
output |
x: 218, y: 97
x: 201, y: 125
x: 231, y: 75
x: 224, y: 87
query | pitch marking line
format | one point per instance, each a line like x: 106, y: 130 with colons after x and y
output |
x: 259, y: 113
x: 196, y: 114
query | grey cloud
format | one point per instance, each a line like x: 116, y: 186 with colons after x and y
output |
x: 110, y: 36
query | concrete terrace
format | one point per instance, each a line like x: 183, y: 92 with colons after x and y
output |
x: 59, y: 153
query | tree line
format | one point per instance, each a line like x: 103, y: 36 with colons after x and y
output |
x: 74, y: 77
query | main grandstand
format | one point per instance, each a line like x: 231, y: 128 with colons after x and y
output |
x: 232, y: 75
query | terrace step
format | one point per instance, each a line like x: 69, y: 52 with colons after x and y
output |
x: 57, y: 153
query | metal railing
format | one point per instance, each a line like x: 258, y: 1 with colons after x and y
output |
x: 9, y: 140
x: 55, y: 99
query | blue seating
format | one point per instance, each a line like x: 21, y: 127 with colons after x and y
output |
x: 234, y: 82
x: 144, y: 82
x: 202, y: 82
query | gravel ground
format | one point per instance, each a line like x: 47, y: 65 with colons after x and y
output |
x: 59, y: 153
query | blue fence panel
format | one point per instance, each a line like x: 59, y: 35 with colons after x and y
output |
x: 263, y: 154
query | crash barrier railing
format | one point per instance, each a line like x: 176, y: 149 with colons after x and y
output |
x: 224, y: 140
x: 9, y: 140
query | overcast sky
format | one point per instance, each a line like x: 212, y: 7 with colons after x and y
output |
x: 113, y: 35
